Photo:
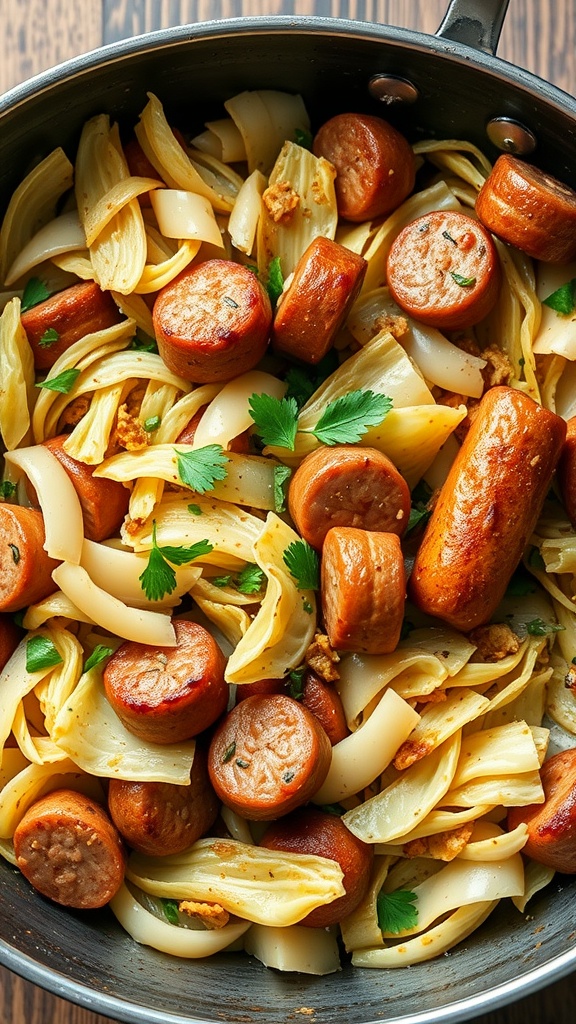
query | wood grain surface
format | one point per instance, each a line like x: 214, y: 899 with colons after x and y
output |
x: 538, y: 35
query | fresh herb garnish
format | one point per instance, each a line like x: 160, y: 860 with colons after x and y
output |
x: 521, y: 584
x: 230, y: 302
x: 396, y: 912
x: 275, y: 285
x: 537, y: 627
x: 303, y: 564
x: 98, y: 655
x: 63, y: 383
x: 307, y: 607
x: 199, y: 469
x: 248, y: 581
x: 464, y: 282
x: 195, y: 510
x: 229, y: 753
x: 221, y: 581
x: 563, y: 300
x: 406, y: 629
x: 15, y: 553
x: 448, y: 237
x: 171, y: 912
x: 142, y: 342
x: 418, y: 517
x: 241, y: 763
x: 281, y: 475
x: 296, y: 687
x: 535, y: 560
x: 50, y: 337
x: 287, y: 776
x: 159, y: 577
x: 7, y: 489
x: 35, y: 291
x: 303, y: 137
x: 336, y: 809
x: 41, y: 653
x: 343, y: 421
x: 303, y: 382
x: 151, y: 424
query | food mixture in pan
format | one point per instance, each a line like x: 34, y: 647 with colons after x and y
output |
x: 287, y: 534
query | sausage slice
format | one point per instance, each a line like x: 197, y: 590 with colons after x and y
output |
x: 104, y: 502
x: 530, y: 209
x: 486, y: 509
x: 363, y: 587
x: 10, y: 636
x: 552, y: 825
x: 69, y: 850
x: 310, y: 830
x: 443, y: 269
x: 268, y: 757
x: 168, y: 694
x: 56, y: 323
x: 212, y: 322
x: 347, y: 486
x: 25, y: 568
x: 374, y: 163
x: 327, y: 279
x: 323, y: 700
x: 567, y: 471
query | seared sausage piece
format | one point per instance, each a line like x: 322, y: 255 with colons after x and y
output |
x: 69, y: 850
x: 310, y: 830
x: 56, y: 323
x: 566, y: 474
x: 374, y: 163
x: 443, y: 269
x: 261, y: 686
x: 530, y: 209
x: 552, y: 825
x: 10, y: 636
x: 327, y: 279
x: 347, y: 486
x: 212, y: 322
x: 486, y: 509
x: 25, y: 568
x: 363, y: 588
x: 104, y: 502
x: 323, y: 700
x: 168, y: 694
x: 268, y: 757
x: 157, y: 818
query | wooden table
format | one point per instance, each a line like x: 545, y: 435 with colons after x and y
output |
x: 36, y: 34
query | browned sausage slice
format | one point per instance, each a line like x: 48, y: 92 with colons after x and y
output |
x: 168, y: 694
x: 486, y: 509
x: 374, y: 163
x: 443, y: 269
x: 552, y: 825
x: 347, y: 486
x: 530, y: 209
x: 68, y: 849
x: 310, y: 830
x: 323, y: 700
x: 104, y: 502
x: 25, y: 568
x: 56, y: 323
x: 212, y: 322
x: 363, y: 587
x: 327, y: 279
x: 157, y: 818
x: 260, y: 687
x: 567, y: 471
x: 268, y: 757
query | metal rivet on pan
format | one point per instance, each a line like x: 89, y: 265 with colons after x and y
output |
x: 392, y: 89
x: 511, y: 136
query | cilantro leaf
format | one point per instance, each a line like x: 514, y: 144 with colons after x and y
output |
x: 281, y: 475
x: 41, y: 653
x: 303, y: 564
x: 303, y: 138
x: 537, y: 627
x: 221, y: 581
x: 521, y: 584
x: 249, y: 580
x: 418, y: 517
x: 395, y: 911
x: 50, y: 337
x: 63, y: 383
x: 302, y: 382
x: 171, y: 912
x: 151, y: 424
x: 159, y: 577
x: 464, y: 282
x: 181, y: 556
x: 98, y: 655
x: 345, y: 420
x: 35, y: 291
x: 142, y: 342
x: 200, y: 468
x: 7, y: 489
x: 296, y: 687
x: 195, y: 510
x: 563, y: 300
x: 336, y: 809
x: 276, y: 419
x: 275, y: 285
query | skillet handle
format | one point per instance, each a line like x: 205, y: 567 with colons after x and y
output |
x: 476, y: 23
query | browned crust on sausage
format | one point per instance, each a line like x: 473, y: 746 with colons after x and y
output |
x: 212, y: 322
x: 269, y: 756
x: 327, y: 279
x: 443, y: 269
x: 68, y: 849
x: 528, y: 208
x: 25, y: 568
x: 323, y: 700
x: 158, y: 818
x: 104, y: 502
x: 168, y: 694
x: 347, y: 486
x: 363, y: 586
x: 312, y: 831
x: 72, y: 313
x: 552, y: 825
x: 375, y: 168
x: 566, y: 474
x: 486, y: 509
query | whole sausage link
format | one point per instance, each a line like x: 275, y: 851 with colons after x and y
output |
x: 552, y: 825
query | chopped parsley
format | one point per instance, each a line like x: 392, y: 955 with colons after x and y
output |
x: 303, y: 564
x: 248, y: 581
x: 464, y: 282
x: 159, y: 576
x: 171, y: 912
x: 303, y: 138
x: 563, y: 300
x: 63, y: 382
x: 98, y: 655
x: 50, y: 337
x: 7, y: 489
x: 151, y: 424
x: 396, y: 912
x: 343, y: 421
x: 281, y: 476
x: 275, y: 285
x: 537, y: 627
x: 199, y: 469
x: 41, y: 653
x: 142, y: 342
x: 35, y: 291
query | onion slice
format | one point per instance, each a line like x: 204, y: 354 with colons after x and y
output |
x: 63, y: 523
x: 63, y: 234
x: 182, y: 215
